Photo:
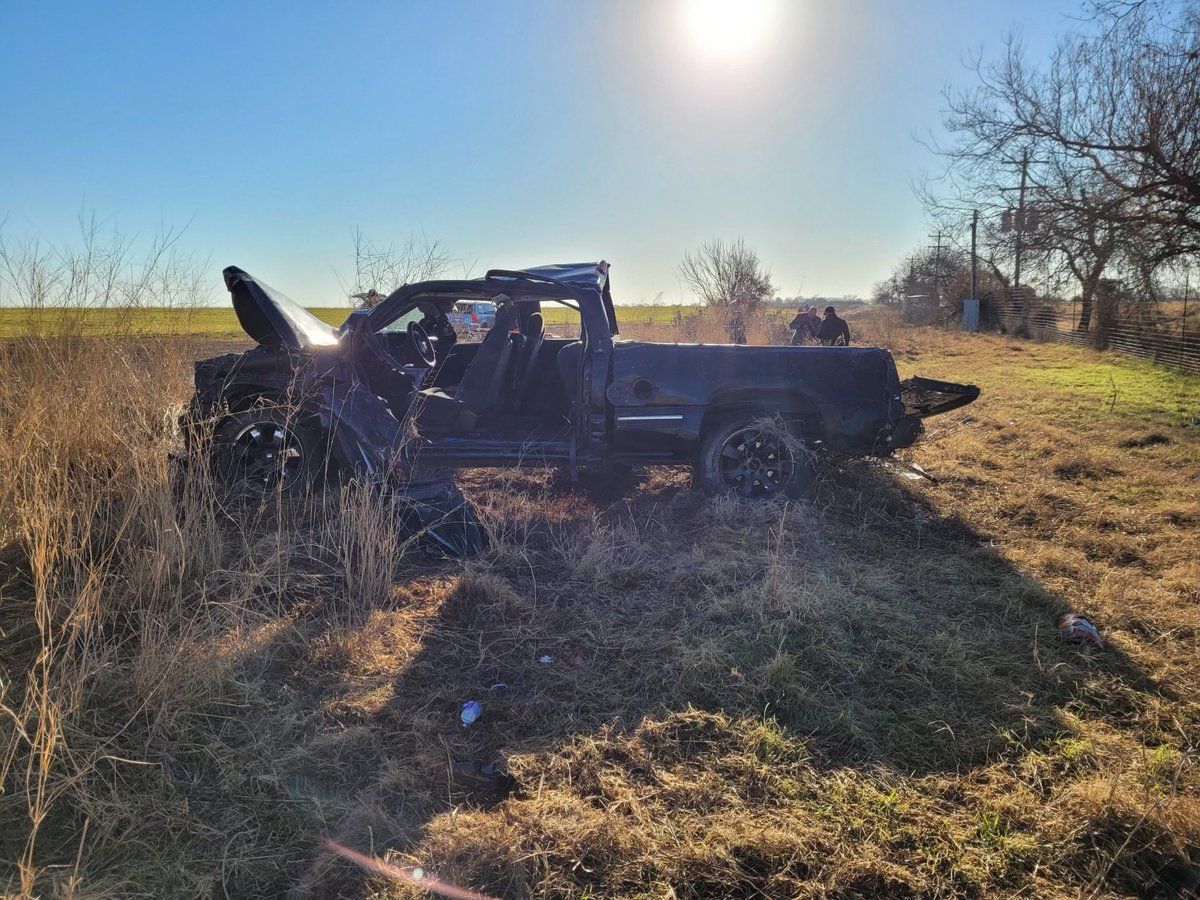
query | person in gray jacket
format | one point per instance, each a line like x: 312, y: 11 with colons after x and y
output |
x: 804, y: 326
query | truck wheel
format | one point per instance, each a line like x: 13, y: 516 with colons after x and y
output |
x: 266, y: 449
x: 754, y: 461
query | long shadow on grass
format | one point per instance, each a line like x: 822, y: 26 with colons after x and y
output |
x: 879, y: 635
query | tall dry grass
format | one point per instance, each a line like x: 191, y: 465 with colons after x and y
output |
x: 136, y: 600
x: 91, y: 544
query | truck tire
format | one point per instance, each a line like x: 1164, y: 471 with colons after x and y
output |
x: 267, y: 449
x: 740, y: 457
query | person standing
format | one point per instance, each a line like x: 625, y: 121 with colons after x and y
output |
x: 814, y: 321
x: 799, y: 326
x: 804, y: 325
x: 833, y: 331
x: 735, y: 324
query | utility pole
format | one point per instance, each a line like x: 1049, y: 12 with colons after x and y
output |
x: 1015, y: 295
x: 1020, y: 227
x: 974, y: 261
x: 937, y: 266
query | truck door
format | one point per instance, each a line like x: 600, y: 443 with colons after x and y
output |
x: 590, y: 413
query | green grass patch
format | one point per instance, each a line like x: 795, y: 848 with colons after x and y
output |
x: 1118, y: 385
x: 1067, y: 384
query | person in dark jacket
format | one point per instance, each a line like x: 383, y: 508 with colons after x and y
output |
x: 833, y: 331
x: 804, y: 326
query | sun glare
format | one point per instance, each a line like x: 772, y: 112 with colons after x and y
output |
x: 729, y: 31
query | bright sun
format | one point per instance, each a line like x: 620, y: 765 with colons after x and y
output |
x: 729, y: 31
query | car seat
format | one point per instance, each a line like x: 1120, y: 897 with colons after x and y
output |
x: 526, y: 362
x: 568, y: 369
x: 483, y: 381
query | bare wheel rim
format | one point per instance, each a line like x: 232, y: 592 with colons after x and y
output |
x: 755, y: 464
x: 267, y: 455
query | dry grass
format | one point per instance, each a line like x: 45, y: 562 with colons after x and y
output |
x: 700, y: 326
x: 860, y: 695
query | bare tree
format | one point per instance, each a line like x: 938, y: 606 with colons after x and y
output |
x: 938, y: 280
x: 1121, y: 101
x: 730, y: 277
x: 1080, y: 219
x: 724, y: 274
x: 379, y: 269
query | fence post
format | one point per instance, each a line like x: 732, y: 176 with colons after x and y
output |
x: 1104, y: 305
x: 1183, y: 325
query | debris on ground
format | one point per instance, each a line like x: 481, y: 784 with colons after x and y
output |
x: 909, y: 470
x: 1074, y: 627
x: 447, y: 524
x: 473, y: 777
x: 921, y: 473
x: 546, y: 660
x: 471, y: 711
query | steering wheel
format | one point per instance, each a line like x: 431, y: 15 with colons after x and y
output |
x: 421, y: 345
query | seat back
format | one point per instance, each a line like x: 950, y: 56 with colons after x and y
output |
x: 518, y: 344
x: 527, y: 361
x: 568, y: 369
x: 484, y: 379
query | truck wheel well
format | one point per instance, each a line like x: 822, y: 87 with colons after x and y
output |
x: 242, y: 395
x: 800, y: 415
x: 247, y: 450
x: 241, y: 399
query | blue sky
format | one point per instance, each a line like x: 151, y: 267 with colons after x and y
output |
x: 515, y: 133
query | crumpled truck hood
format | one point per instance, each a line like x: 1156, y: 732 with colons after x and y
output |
x: 273, y: 319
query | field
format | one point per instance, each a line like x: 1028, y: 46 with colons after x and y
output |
x: 220, y: 321
x: 860, y: 695
x: 210, y: 321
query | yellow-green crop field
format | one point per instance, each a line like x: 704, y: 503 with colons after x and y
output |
x: 220, y: 320
x: 205, y: 320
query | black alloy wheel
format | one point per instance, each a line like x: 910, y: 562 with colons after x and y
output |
x: 264, y: 451
x: 743, y: 459
x: 755, y: 464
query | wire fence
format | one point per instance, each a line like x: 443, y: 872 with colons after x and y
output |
x: 1167, y: 343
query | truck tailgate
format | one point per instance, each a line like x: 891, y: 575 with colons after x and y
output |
x: 928, y: 397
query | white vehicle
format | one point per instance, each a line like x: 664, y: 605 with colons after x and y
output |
x: 472, y: 316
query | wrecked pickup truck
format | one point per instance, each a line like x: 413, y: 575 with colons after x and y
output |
x: 393, y: 392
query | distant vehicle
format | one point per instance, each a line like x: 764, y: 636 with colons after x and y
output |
x: 472, y: 316
x: 395, y: 392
